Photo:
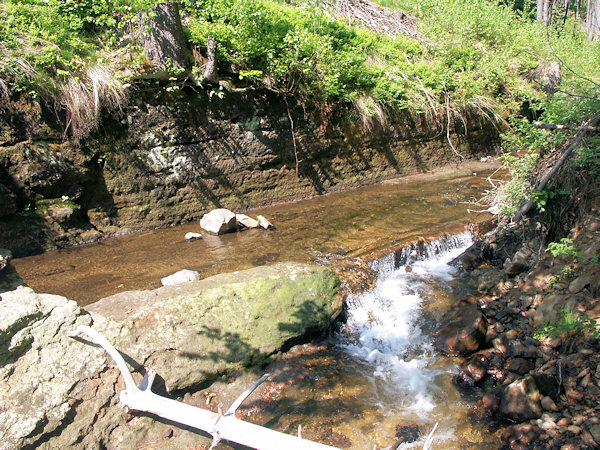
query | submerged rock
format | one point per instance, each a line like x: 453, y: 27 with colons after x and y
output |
x: 182, y: 276
x: 462, y: 331
x: 219, y: 221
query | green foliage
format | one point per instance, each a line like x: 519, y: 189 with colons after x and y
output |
x: 44, y: 41
x: 563, y: 248
x: 544, y: 197
x: 569, y: 325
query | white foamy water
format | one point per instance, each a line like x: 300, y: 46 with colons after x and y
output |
x: 386, y: 329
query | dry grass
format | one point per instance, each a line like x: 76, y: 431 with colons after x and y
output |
x: 370, y: 113
x: 84, y: 100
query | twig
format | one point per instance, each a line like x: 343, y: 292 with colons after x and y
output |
x: 293, y: 135
x: 551, y: 126
x: 448, y: 125
x: 427, y: 444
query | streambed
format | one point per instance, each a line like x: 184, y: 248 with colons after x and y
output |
x: 364, y: 222
x: 375, y: 377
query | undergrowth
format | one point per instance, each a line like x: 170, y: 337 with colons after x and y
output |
x: 474, y: 58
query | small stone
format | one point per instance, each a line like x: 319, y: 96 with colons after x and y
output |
x: 574, y: 429
x: 246, y: 221
x: 578, y: 284
x: 518, y: 264
x: 595, y: 432
x: 183, y: 276
x: 219, y: 221
x: 263, y: 222
x: 563, y: 422
x: 192, y: 236
x: 520, y: 365
x: 520, y: 400
x: 549, y: 405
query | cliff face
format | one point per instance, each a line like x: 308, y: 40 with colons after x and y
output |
x: 172, y: 156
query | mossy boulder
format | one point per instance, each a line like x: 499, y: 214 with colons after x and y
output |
x: 195, y: 331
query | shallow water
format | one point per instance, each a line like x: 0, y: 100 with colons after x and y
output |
x: 362, y: 221
x: 380, y: 373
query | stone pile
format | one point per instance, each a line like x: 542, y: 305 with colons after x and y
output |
x: 548, y: 383
x: 221, y: 221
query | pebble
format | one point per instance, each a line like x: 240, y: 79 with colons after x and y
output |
x: 574, y: 429
x: 549, y: 405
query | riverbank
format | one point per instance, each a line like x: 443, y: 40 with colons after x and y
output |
x: 540, y: 366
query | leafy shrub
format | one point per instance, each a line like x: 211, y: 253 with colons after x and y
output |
x: 569, y: 325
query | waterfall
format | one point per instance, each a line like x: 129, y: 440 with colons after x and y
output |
x: 386, y: 329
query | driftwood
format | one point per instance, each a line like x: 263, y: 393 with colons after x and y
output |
x: 551, y: 126
x: 559, y: 163
x: 220, y: 426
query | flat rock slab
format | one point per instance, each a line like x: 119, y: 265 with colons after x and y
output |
x: 193, y: 332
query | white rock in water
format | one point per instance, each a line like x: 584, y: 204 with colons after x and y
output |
x: 218, y: 221
x: 246, y: 221
x: 182, y: 276
x: 192, y: 236
x: 264, y: 222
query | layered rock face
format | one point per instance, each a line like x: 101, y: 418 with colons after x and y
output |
x: 173, y: 156
x: 61, y: 392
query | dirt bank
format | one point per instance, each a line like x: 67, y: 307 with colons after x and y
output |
x: 172, y: 156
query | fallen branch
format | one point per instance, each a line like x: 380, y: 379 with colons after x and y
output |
x: 564, y: 157
x: 551, y: 126
x: 219, y: 426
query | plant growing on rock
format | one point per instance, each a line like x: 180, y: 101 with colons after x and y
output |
x: 568, y: 326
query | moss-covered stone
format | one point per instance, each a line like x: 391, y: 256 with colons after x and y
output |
x: 191, y: 333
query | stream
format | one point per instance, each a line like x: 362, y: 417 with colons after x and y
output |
x: 377, y: 377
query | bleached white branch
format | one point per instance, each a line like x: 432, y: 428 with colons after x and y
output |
x: 221, y: 427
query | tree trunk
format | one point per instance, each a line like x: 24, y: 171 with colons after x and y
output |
x: 164, y: 42
x: 593, y: 19
x: 210, y: 72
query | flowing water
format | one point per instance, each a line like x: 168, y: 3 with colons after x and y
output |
x: 379, y: 377
x: 376, y: 378
x: 363, y: 222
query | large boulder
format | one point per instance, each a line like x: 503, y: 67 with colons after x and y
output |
x: 219, y: 221
x: 462, y: 331
x: 194, y: 331
x: 61, y: 392
x: 42, y: 370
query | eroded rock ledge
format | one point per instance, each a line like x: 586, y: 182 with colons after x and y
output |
x: 58, y: 392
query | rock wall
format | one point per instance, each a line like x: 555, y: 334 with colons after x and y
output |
x: 172, y: 156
